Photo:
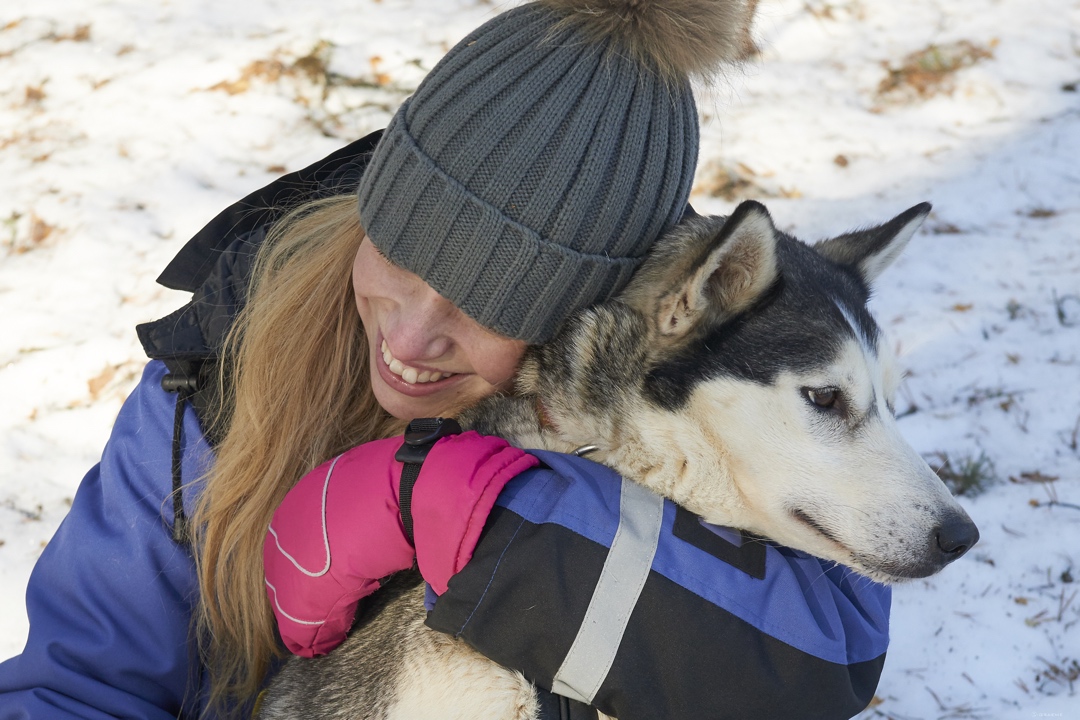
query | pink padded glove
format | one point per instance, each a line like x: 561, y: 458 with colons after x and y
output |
x: 339, y: 529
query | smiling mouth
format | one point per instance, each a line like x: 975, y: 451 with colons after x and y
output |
x: 410, y: 375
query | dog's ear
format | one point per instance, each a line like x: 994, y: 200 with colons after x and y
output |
x: 739, y: 265
x: 872, y: 250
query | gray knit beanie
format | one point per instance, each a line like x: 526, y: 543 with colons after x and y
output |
x: 540, y: 159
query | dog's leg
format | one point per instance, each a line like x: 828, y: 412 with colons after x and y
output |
x: 445, y: 677
x: 393, y: 667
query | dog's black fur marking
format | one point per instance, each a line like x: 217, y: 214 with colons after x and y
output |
x: 762, y: 342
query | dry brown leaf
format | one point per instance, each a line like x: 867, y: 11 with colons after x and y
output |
x: 98, y: 383
x: 268, y: 70
x: 34, y: 94
x: 39, y: 230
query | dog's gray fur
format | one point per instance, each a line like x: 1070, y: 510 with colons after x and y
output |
x: 739, y: 374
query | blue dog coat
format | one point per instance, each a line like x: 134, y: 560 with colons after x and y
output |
x: 679, y: 619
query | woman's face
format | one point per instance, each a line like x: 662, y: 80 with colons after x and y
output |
x: 428, y: 358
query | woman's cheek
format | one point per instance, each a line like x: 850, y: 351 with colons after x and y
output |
x: 500, y: 363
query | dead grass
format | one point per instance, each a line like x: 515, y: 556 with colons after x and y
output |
x: 930, y: 71
x: 325, y: 95
x: 259, y: 70
x: 31, y: 514
x: 836, y: 9
x: 737, y: 181
x: 312, y: 68
x: 1059, y: 676
x: 1006, y: 400
x: 966, y: 475
x: 21, y: 234
x: 81, y: 33
x: 1067, y: 309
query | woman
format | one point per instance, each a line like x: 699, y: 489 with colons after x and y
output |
x: 524, y: 180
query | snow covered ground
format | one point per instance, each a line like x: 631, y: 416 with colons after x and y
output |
x: 126, y: 124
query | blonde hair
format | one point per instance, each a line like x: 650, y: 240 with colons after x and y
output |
x: 300, y: 393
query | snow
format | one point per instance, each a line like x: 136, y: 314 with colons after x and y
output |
x: 125, y: 125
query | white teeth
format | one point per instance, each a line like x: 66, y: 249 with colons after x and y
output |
x: 408, y: 374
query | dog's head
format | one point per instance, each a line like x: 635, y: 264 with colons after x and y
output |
x: 760, y: 392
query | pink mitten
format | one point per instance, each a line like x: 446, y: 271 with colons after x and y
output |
x: 339, y: 530
x: 456, y: 489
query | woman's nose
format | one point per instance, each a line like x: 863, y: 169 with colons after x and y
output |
x: 422, y: 327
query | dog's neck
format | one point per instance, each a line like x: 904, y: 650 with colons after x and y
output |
x: 666, y: 457
x: 581, y: 390
x: 521, y: 419
x: 543, y: 417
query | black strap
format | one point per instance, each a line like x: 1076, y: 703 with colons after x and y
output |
x: 557, y: 707
x: 409, y: 474
x: 184, y: 385
x: 420, y: 435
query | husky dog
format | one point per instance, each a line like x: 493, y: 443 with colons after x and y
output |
x: 740, y: 375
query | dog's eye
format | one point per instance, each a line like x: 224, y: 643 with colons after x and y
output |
x: 824, y: 398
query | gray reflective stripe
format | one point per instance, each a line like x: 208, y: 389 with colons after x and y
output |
x: 625, y: 571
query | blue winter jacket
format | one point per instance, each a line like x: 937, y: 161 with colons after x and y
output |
x: 722, y: 626
x: 110, y: 599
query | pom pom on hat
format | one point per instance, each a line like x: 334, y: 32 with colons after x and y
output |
x: 682, y: 37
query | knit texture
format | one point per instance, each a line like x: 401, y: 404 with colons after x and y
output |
x: 531, y: 171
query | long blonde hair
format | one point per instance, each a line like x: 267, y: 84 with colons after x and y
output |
x: 299, y: 394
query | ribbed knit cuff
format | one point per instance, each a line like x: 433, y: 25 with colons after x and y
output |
x: 499, y: 272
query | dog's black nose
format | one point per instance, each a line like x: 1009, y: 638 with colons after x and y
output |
x: 955, y: 536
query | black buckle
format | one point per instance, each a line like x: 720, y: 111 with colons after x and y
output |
x: 177, y: 383
x: 420, y: 435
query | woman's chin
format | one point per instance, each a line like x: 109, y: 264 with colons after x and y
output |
x: 406, y: 401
